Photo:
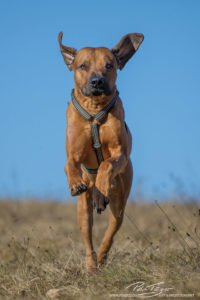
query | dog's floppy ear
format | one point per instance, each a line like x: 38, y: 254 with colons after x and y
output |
x: 126, y: 47
x: 67, y: 52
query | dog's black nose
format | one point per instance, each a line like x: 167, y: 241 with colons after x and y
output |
x: 97, y: 81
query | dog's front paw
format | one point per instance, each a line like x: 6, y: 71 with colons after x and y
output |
x: 100, y: 204
x: 78, y: 189
x: 100, y: 201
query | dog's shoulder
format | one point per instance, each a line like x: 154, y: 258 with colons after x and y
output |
x: 117, y: 111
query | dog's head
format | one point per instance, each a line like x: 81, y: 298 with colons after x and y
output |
x: 95, y: 69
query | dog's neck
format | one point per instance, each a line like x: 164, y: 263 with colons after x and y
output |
x: 93, y: 104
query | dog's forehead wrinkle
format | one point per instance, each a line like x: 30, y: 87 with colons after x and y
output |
x: 84, y: 55
x: 86, y: 51
x: 103, y: 52
x: 90, y: 54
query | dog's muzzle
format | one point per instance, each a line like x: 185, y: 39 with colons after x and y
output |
x: 96, y: 86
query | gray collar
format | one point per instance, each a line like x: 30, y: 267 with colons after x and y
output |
x: 100, y: 115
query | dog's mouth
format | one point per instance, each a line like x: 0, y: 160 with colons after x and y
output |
x: 95, y: 92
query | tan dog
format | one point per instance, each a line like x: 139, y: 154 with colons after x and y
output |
x: 98, y: 145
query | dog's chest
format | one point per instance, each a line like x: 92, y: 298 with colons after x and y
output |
x: 80, y: 139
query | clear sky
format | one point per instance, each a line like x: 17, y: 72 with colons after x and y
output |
x: 160, y: 88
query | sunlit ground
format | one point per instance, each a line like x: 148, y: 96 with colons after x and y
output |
x: 42, y: 254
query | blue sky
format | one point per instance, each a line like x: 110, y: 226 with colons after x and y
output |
x: 159, y: 86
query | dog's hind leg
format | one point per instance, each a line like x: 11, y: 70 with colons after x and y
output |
x: 85, y: 220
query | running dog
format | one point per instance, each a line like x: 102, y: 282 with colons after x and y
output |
x: 98, y: 140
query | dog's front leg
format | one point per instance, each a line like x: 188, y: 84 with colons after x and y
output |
x: 85, y: 220
x: 74, y: 174
x: 109, y: 169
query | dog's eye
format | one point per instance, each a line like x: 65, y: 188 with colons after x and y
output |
x: 83, y: 67
x: 109, y: 66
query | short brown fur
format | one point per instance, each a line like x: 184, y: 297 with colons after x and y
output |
x: 114, y: 178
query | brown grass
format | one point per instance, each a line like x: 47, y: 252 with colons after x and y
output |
x: 42, y: 254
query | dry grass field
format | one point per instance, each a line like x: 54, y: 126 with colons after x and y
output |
x: 42, y: 254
